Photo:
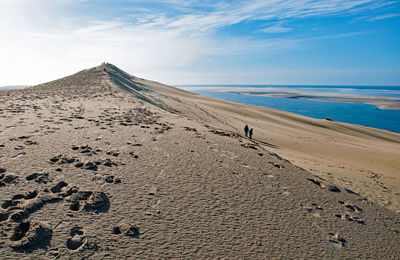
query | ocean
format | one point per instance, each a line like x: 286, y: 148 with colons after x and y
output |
x: 354, y: 113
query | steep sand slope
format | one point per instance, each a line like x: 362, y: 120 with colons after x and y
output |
x: 364, y: 159
x: 91, y: 171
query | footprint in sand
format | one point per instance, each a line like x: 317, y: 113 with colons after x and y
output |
x: 133, y: 231
x: 329, y: 187
x: 39, y: 177
x: 58, y: 187
x: 351, y: 214
x: 336, y: 240
x: 93, y: 201
x: 7, y: 179
x: 30, y: 233
x: 277, y: 165
x: 77, y: 240
x: 312, y: 209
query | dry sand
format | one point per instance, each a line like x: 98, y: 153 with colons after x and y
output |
x: 105, y: 165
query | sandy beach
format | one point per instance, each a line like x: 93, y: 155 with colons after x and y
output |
x: 105, y: 165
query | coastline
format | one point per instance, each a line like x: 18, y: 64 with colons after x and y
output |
x: 390, y: 103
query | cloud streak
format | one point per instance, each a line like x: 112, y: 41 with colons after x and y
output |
x: 53, y: 37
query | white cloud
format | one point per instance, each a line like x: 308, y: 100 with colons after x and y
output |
x: 45, y: 39
x: 385, y: 16
x: 276, y: 28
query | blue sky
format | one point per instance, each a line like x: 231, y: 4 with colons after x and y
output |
x: 333, y: 42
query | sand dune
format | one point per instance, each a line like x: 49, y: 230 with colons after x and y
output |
x: 101, y: 164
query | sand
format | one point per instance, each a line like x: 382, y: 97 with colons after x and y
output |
x: 103, y: 165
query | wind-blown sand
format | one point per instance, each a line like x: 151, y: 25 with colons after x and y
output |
x: 105, y: 165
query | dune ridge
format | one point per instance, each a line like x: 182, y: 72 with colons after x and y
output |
x: 102, y: 164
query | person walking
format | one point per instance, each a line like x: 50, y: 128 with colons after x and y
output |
x: 246, y: 129
x: 251, y: 133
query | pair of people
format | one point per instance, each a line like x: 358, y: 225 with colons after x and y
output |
x: 248, y: 132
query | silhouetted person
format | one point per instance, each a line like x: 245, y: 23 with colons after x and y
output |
x: 251, y: 133
x: 246, y: 129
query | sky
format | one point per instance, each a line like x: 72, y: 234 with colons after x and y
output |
x: 300, y: 42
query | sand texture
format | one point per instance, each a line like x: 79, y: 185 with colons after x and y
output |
x: 103, y: 165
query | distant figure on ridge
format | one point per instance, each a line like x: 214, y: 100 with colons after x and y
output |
x: 246, y: 129
x: 251, y: 133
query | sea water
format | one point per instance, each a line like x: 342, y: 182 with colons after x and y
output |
x: 354, y: 113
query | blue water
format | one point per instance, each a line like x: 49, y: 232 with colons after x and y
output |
x: 354, y: 113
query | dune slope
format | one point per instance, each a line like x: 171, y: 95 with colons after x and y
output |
x: 101, y: 164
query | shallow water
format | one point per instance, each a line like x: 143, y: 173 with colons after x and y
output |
x: 354, y: 113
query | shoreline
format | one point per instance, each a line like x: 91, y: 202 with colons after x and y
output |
x: 388, y: 103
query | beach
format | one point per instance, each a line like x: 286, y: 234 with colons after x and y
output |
x: 103, y: 164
